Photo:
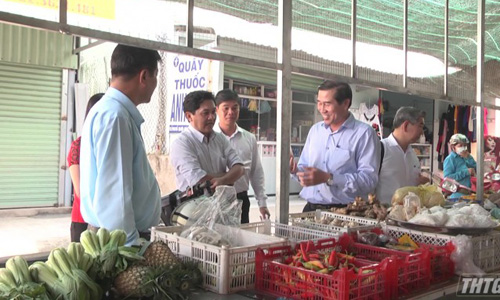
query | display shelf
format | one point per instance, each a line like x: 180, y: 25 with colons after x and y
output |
x: 424, y: 155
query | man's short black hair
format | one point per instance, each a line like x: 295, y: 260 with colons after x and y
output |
x: 342, y: 90
x: 128, y: 61
x: 193, y: 100
x: 226, y: 95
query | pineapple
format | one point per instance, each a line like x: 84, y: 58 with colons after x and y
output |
x: 136, y: 281
x: 159, y: 255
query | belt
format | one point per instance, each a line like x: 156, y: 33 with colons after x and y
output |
x: 326, y: 206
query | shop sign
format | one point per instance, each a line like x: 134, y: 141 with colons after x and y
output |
x: 94, y: 8
x: 184, y: 75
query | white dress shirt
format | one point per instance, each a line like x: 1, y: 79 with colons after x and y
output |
x: 245, y: 145
x: 399, y: 169
x: 193, y: 156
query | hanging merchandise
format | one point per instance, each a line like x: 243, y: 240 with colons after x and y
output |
x: 457, y: 119
x: 252, y: 105
x: 370, y: 116
x: 264, y: 107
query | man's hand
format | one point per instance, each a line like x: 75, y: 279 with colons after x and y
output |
x: 264, y: 212
x: 312, y: 176
x: 293, y: 164
x: 472, y: 172
x: 216, y: 182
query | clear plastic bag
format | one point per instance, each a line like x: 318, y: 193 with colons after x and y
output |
x: 462, y: 257
x: 215, y: 218
x: 411, y: 205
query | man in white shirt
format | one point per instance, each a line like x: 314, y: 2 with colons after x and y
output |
x: 400, y: 166
x: 200, y: 154
x: 228, y: 110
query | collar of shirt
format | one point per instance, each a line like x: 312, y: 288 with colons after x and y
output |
x: 391, y: 141
x: 217, y: 129
x: 127, y: 103
x: 348, y: 123
x: 200, y: 137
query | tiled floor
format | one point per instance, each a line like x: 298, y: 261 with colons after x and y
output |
x: 36, y: 233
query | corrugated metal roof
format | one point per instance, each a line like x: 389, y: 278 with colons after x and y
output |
x: 36, y: 47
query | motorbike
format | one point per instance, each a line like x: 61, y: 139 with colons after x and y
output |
x: 491, y: 181
x: 177, y: 206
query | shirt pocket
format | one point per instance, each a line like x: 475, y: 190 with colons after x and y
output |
x: 340, y: 160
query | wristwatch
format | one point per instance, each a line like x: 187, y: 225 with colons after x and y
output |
x: 329, y: 182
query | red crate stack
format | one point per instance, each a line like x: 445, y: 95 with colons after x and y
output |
x: 371, y: 281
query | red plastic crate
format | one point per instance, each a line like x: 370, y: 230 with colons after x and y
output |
x: 415, y: 271
x: 442, y: 267
x: 372, y: 281
x: 410, y: 272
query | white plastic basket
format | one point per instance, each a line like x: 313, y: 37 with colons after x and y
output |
x: 485, y: 248
x: 293, y: 233
x: 306, y: 220
x: 225, y: 269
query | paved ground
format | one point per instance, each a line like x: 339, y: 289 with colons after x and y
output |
x: 31, y: 231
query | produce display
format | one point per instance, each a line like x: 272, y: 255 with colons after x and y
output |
x: 321, y: 262
x: 429, y: 195
x: 16, y: 281
x: 100, y: 267
x: 361, y: 208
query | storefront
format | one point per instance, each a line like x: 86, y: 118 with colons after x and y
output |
x: 34, y: 81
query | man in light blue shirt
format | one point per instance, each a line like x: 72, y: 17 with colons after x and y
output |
x: 341, y: 157
x: 199, y: 153
x: 118, y: 187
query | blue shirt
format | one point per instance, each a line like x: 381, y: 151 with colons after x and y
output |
x: 456, y: 167
x: 351, y: 154
x: 118, y: 188
x: 193, y: 156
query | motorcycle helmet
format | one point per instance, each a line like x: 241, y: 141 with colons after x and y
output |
x: 184, y: 213
x: 458, y: 138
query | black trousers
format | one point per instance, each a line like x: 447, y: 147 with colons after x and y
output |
x: 76, y: 230
x: 245, y: 208
x: 313, y: 207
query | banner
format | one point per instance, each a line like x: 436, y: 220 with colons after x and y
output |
x: 94, y: 8
x: 185, y: 74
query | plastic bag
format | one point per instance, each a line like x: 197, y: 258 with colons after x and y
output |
x: 411, y: 205
x: 462, y: 257
x: 429, y: 195
x: 215, y: 218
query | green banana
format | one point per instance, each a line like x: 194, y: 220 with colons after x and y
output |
x: 103, y: 236
x: 7, y: 278
x: 88, y: 243
x: 19, y: 268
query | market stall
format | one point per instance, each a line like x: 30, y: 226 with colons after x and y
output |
x: 362, y: 251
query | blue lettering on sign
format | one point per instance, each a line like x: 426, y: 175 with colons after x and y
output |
x: 177, y: 114
x: 188, y: 83
x: 188, y: 66
x: 177, y: 128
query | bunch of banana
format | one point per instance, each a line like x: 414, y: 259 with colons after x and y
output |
x: 109, y: 252
x: 16, y: 282
x: 64, y: 278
